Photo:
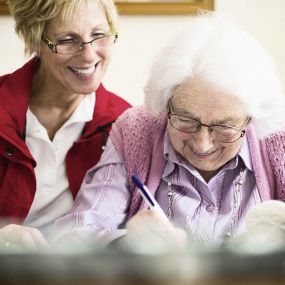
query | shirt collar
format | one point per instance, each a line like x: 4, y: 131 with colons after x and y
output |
x: 244, y: 154
x: 171, y: 155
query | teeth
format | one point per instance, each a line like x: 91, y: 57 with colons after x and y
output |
x: 84, y: 71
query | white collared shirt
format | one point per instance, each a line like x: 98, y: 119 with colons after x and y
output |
x: 53, y: 197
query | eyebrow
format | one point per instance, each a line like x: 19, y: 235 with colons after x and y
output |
x: 100, y: 27
x: 223, y: 121
x: 183, y: 112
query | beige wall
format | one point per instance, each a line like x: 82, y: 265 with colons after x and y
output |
x: 142, y: 36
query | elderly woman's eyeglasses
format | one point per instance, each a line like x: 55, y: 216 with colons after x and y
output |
x: 70, y: 46
x: 220, y: 133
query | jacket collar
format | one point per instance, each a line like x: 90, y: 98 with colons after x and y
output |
x: 105, y: 112
x: 15, y: 95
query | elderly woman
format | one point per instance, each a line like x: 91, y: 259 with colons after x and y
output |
x: 55, y: 114
x: 206, y: 144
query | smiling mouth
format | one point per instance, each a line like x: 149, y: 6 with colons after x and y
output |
x: 202, y: 155
x: 84, y: 73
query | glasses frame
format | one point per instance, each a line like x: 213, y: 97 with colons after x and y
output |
x: 242, y: 129
x: 53, y: 47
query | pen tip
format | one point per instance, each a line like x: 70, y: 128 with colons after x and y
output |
x: 137, y: 181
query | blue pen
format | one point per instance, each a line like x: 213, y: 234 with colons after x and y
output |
x: 148, y: 197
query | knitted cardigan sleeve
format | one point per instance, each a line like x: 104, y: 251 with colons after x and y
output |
x: 275, y: 145
x: 138, y: 136
x: 268, y: 159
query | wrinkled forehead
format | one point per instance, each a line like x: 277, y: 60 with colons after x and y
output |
x: 201, y: 99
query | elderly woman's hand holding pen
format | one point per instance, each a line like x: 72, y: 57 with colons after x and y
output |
x: 152, y: 227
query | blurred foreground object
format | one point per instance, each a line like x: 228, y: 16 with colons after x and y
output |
x: 265, y: 229
x: 213, y: 266
x: 256, y: 257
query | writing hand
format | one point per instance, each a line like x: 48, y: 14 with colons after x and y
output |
x: 148, y: 229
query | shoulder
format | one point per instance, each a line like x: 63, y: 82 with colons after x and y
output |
x: 2, y: 79
x: 137, y: 130
x: 20, y: 78
x: 110, y: 102
x: 271, y: 146
x: 275, y: 146
x: 275, y: 149
x: 276, y: 140
x: 138, y: 118
x: 138, y: 137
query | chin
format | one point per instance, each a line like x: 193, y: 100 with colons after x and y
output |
x: 204, y: 167
x: 89, y: 91
x: 86, y: 90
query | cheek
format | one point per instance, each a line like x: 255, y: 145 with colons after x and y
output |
x: 231, y: 151
x: 177, y: 138
x: 55, y: 64
x: 105, y: 55
x: 59, y: 70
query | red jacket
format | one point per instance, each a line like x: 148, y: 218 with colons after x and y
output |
x: 17, y: 176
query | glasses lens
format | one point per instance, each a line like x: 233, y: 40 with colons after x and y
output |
x: 68, y: 47
x: 218, y: 133
x: 184, y: 124
x: 74, y: 47
x: 225, y: 134
x: 104, y: 42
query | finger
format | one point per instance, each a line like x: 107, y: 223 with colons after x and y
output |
x: 25, y: 237
x: 38, y: 238
x: 150, y: 225
x: 26, y: 240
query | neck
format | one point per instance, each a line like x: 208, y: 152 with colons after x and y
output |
x: 208, y: 175
x: 50, y: 105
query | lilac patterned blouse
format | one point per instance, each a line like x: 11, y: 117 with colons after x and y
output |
x: 204, y: 210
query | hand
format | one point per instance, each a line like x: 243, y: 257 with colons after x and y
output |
x: 147, y: 229
x: 21, y: 237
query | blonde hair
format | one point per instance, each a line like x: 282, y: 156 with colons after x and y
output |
x: 32, y: 16
x: 212, y: 48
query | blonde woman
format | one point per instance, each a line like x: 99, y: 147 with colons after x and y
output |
x: 55, y: 114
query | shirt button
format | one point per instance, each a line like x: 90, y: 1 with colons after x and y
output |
x: 9, y: 152
x: 210, y: 208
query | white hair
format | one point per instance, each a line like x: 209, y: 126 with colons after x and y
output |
x: 215, y: 50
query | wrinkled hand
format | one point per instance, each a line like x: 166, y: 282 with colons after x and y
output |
x: 148, y: 229
x: 21, y: 237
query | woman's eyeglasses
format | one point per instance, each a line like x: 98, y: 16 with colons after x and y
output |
x: 71, y: 46
x: 220, y: 133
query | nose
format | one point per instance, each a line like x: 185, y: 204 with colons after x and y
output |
x: 202, y: 140
x: 88, y: 52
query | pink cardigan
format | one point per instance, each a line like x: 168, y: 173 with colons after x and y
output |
x: 138, y: 136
